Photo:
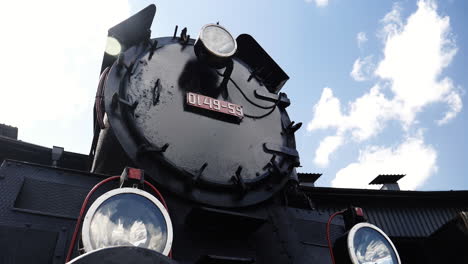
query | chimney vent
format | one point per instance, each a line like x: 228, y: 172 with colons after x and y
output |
x: 8, y: 131
x: 308, y: 179
x: 389, y: 181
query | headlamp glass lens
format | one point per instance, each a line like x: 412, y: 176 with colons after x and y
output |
x: 218, y: 40
x: 128, y: 219
x: 113, y: 46
x: 371, y: 247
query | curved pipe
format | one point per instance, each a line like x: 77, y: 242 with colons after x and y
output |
x: 330, y: 246
x: 99, y: 98
x: 80, y: 217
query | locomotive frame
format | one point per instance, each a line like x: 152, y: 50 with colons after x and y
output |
x: 280, y: 218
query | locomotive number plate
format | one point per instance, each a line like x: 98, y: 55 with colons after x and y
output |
x: 216, y: 105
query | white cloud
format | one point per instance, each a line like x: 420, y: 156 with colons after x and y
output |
x: 455, y: 105
x: 51, y: 61
x: 414, y: 59
x: 366, y: 116
x: 392, y: 21
x: 327, y: 146
x: 412, y: 157
x: 319, y: 3
x: 415, y: 54
x: 327, y: 112
x: 361, y: 38
x: 362, y: 68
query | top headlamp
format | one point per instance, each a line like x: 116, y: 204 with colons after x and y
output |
x: 215, y: 45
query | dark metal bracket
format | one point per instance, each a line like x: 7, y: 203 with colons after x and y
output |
x: 184, y: 38
x: 144, y: 148
x: 237, y: 179
x: 282, y: 98
x: 281, y: 149
x: 291, y: 128
x: 154, y: 45
x: 193, y: 178
x: 156, y: 91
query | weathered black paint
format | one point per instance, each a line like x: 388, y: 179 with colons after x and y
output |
x: 224, y: 209
x: 263, y: 148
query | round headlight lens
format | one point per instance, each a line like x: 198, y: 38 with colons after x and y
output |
x: 368, y: 244
x: 127, y: 217
x: 218, y: 40
x: 113, y: 46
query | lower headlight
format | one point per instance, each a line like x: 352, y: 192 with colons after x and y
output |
x: 368, y: 244
x: 127, y: 217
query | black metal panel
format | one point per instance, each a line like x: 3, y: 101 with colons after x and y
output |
x: 448, y: 243
x: 301, y: 235
x: 131, y: 32
x: 27, y: 245
x: 262, y: 65
x: 200, y: 238
x: 215, y: 220
x: 39, y: 204
x: 50, y: 198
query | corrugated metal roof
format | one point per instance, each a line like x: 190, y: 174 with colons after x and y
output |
x: 409, y: 214
x: 410, y: 222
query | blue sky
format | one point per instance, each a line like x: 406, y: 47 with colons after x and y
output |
x: 379, y: 85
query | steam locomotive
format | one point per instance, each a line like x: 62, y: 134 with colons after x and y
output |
x: 194, y: 160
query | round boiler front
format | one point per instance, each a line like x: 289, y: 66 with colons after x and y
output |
x: 199, y: 131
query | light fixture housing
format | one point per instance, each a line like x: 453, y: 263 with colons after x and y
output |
x: 215, y: 45
x: 127, y: 217
x: 113, y: 46
x: 367, y: 243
